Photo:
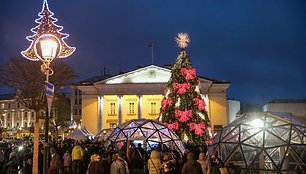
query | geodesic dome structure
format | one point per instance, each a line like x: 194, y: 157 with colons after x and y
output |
x: 261, y: 142
x: 149, y: 131
x: 102, y: 135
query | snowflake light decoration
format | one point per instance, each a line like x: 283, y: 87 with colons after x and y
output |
x: 182, y: 40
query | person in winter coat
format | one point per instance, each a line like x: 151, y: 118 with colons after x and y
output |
x: 94, y: 165
x: 55, y: 162
x: 215, y: 163
x: 67, y: 162
x: 204, y: 162
x: 105, y: 164
x: 192, y: 166
x: 119, y: 166
x: 168, y: 165
x: 154, y: 164
x: 77, y: 157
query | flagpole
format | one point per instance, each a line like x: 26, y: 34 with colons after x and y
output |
x: 152, y: 53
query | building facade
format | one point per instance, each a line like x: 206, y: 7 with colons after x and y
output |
x: 296, y: 107
x: 136, y: 94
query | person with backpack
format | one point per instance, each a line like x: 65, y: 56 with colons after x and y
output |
x: 119, y: 166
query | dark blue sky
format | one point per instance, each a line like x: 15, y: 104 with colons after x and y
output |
x: 258, y: 45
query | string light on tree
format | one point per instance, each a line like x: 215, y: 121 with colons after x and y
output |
x: 183, y: 105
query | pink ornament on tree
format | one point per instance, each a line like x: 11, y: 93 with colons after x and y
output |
x: 183, y: 116
x: 189, y: 74
x: 181, y: 88
x: 197, y: 128
x: 200, y: 103
x: 166, y: 102
x: 173, y: 126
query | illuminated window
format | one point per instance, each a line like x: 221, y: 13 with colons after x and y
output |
x: 131, y: 108
x: 2, y: 105
x: 153, y: 108
x: 112, y: 125
x: 112, y: 108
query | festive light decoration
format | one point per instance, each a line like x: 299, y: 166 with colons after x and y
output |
x: 47, y: 26
x: 186, y: 113
x: 182, y: 40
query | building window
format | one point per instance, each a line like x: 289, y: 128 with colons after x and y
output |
x: 25, y: 124
x: 75, y: 112
x: 76, y: 92
x: 131, y: 108
x: 80, y: 101
x: 8, y: 116
x: 9, y: 106
x: 25, y: 115
x: 8, y: 125
x: 17, y: 125
x: 153, y: 108
x: 112, y: 125
x: 112, y: 108
x: 75, y: 101
x: 18, y: 105
x: 80, y: 111
x: 32, y: 115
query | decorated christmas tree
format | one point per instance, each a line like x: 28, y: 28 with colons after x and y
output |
x: 183, y: 105
x: 46, y: 25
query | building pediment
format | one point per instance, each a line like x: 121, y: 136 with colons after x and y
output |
x: 148, y: 74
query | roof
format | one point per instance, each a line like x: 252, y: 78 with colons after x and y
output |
x: 288, y: 101
x: 92, y: 80
x: 7, y: 96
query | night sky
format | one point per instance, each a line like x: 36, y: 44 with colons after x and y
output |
x: 257, y: 45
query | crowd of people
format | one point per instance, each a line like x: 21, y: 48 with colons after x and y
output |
x: 87, y: 157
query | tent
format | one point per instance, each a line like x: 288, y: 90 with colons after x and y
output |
x: 148, y: 132
x: 80, y: 134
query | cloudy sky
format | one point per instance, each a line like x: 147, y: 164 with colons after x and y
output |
x: 257, y: 45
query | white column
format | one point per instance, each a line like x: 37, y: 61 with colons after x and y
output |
x: 5, y: 120
x: 139, y: 106
x: 13, y: 119
x: 119, y: 109
x: 100, y: 112
x: 22, y: 117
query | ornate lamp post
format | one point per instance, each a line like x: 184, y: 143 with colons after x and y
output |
x: 47, y: 44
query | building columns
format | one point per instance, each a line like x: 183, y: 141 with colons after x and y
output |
x: 139, y: 106
x: 100, y: 112
x: 119, y: 109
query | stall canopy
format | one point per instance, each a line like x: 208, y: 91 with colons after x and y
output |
x: 263, y: 142
x: 150, y: 132
x: 80, y: 134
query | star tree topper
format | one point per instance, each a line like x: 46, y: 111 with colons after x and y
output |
x: 47, y: 26
x: 182, y: 40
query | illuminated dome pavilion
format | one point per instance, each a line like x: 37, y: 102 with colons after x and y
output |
x: 263, y: 142
x: 148, y: 132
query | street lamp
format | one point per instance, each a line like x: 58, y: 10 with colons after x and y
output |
x: 47, y: 48
x: 47, y: 43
